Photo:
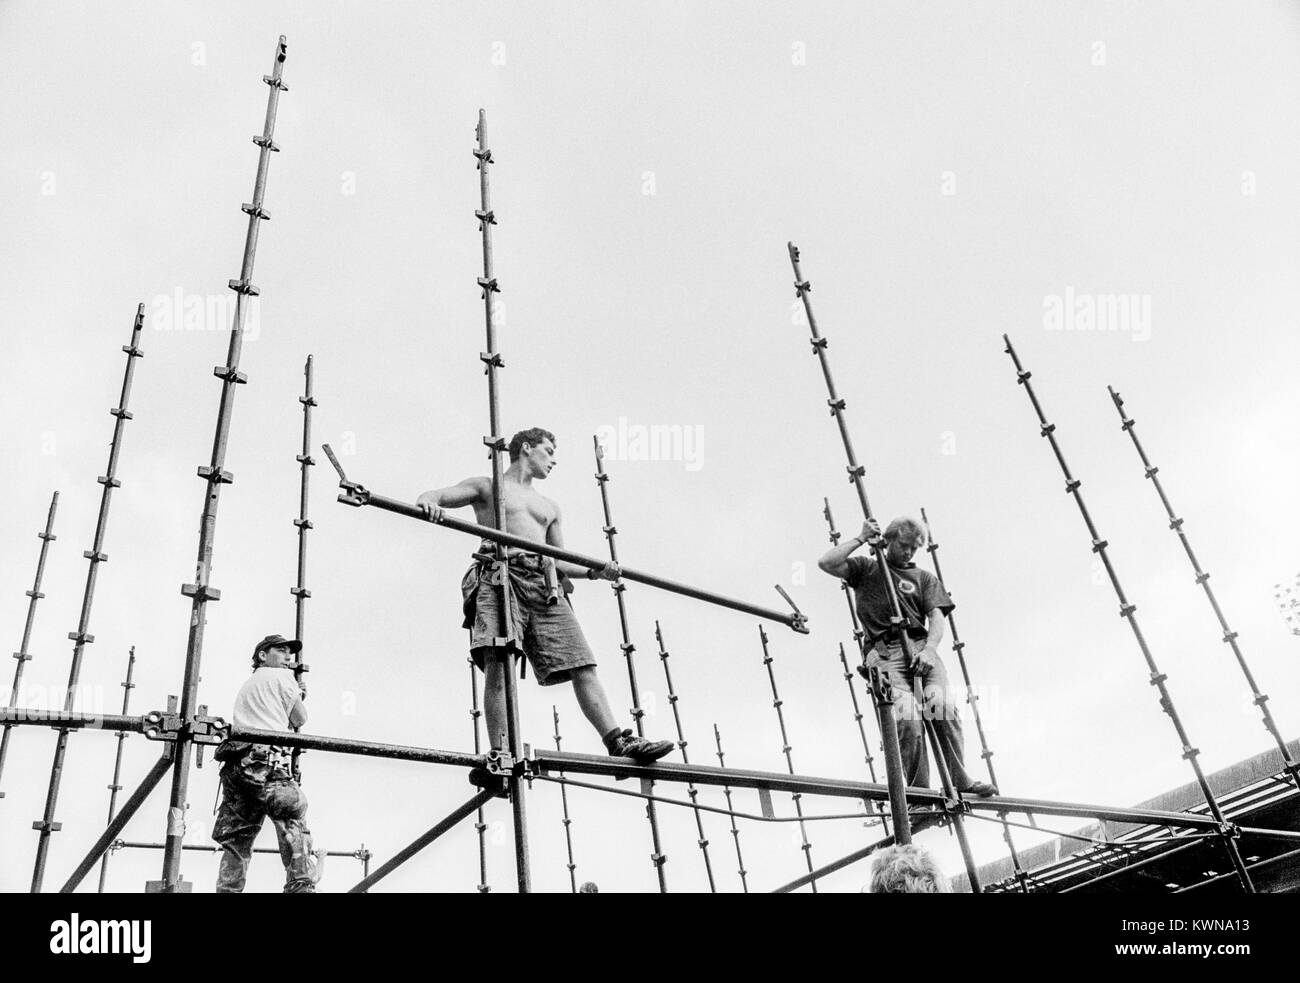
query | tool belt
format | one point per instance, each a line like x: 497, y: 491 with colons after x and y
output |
x: 240, y: 753
x: 556, y: 584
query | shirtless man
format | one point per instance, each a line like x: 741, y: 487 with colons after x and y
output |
x: 547, y: 630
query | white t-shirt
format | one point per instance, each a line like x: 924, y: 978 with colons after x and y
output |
x: 265, y: 700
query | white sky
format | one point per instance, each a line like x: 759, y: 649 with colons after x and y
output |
x: 1098, y: 148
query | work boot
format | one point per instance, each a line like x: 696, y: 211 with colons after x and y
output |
x: 980, y: 790
x: 926, y: 817
x: 624, y: 744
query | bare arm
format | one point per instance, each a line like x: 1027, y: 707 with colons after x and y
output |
x: 471, y: 491
x: 835, y: 561
x: 298, y: 715
x: 555, y: 537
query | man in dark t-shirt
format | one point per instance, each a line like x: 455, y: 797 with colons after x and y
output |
x: 923, y: 603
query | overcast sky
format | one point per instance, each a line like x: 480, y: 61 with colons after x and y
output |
x: 951, y: 172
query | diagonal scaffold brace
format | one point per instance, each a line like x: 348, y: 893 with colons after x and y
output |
x: 883, y: 697
x: 657, y: 856
x: 1228, y: 832
x: 972, y: 700
x: 1260, y: 699
x: 80, y: 638
x: 214, y: 475
x: 23, y: 655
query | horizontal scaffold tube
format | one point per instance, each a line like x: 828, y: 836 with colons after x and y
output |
x: 347, y: 745
x: 590, y: 764
x: 358, y: 495
x: 17, y: 716
x: 217, y: 848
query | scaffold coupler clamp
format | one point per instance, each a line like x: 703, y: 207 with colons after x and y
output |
x: 1229, y: 831
x: 497, y: 767
x: 799, y: 620
x: 163, y: 725
x: 354, y: 493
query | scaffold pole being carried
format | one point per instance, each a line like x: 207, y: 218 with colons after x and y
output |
x: 860, y: 643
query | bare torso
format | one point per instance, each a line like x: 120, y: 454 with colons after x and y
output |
x: 528, y: 513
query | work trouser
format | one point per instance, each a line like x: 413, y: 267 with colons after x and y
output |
x: 941, y: 708
x: 256, y: 787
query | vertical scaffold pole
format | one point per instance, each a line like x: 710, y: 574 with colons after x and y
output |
x: 23, y: 655
x: 506, y: 647
x: 82, y: 636
x: 1126, y: 610
x: 859, y: 641
x: 735, y: 830
x: 214, y: 475
x: 116, y: 786
x: 691, y: 790
x: 299, y: 591
x: 658, y: 857
x: 868, y: 808
x: 882, y: 698
x: 1229, y: 636
x: 786, y: 749
x: 972, y: 700
x: 564, y: 806
x: 480, y: 827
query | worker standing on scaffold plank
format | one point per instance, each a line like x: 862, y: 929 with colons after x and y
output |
x: 257, y: 779
x: 550, y: 635
x: 922, y: 599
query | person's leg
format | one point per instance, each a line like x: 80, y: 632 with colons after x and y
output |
x: 494, y: 699
x: 559, y: 653
x: 944, y: 713
x: 287, y: 808
x: 592, y: 699
x: 238, y: 822
x: 907, y: 717
x: 483, y: 599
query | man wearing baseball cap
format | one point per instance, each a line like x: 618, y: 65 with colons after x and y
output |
x: 257, y: 779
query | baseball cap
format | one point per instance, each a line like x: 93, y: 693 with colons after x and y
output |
x: 270, y: 641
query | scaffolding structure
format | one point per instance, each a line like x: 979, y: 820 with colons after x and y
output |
x: 47, y: 825
x: 184, y: 727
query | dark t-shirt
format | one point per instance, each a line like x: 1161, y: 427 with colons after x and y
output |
x: 919, y: 593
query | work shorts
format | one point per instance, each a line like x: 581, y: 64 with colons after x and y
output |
x: 549, y: 634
